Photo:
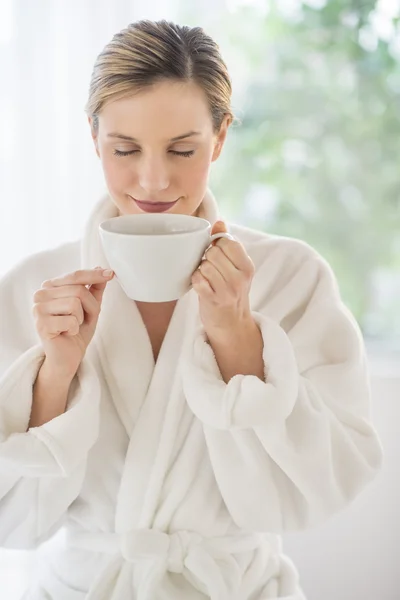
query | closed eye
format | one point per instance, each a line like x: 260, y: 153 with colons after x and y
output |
x: 121, y: 153
x: 127, y: 153
x: 185, y: 154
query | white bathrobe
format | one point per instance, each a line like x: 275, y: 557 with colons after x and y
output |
x: 160, y: 481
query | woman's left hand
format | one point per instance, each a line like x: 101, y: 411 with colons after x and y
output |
x: 223, y: 282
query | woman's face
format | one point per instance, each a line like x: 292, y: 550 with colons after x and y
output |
x: 158, y: 147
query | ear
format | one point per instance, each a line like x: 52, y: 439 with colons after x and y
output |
x: 221, y: 137
x: 94, y: 136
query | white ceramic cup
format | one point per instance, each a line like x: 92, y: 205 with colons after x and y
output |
x: 154, y: 255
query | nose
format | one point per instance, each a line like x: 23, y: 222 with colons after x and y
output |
x: 153, y: 174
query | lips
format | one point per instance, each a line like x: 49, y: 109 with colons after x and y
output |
x: 154, y: 206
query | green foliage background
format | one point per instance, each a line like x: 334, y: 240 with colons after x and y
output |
x: 318, y: 140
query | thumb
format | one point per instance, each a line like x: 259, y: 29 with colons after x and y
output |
x: 97, y: 289
x: 219, y: 227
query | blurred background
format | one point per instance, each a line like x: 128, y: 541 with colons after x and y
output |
x: 315, y: 156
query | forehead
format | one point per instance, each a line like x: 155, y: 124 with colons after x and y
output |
x: 165, y: 110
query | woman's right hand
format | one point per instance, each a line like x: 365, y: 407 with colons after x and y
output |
x: 66, y: 311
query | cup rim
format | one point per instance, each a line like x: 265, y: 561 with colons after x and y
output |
x: 104, y: 225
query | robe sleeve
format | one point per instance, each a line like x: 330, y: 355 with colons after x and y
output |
x: 41, y: 469
x: 290, y: 451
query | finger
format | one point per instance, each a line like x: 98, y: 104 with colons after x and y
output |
x: 88, y: 300
x: 82, y: 277
x: 219, y: 227
x: 236, y: 253
x: 202, y: 285
x: 53, y: 326
x: 62, y: 306
x: 213, y: 276
x: 222, y: 263
x: 97, y: 289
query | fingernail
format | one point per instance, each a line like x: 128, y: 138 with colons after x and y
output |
x: 107, y: 273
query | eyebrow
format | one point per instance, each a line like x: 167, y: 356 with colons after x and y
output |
x: 121, y: 136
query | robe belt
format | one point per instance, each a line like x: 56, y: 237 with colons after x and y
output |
x: 185, y: 552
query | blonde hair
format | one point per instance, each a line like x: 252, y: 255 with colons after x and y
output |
x: 147, y: 52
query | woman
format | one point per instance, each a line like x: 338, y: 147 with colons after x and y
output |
x: 174, y: 442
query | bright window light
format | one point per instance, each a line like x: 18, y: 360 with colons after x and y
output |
x: 388, y: 8
x: 6, y: 21
x: 262, y: 5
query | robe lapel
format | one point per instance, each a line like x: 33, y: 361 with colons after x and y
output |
x: 121, y: 339
x: 125, y: 352
x: 155, y: 431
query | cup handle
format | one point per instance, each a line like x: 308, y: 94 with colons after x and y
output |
x: 216, y: 236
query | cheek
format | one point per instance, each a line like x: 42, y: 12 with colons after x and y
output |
x: 198, y: 171
x: 114, y: 173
